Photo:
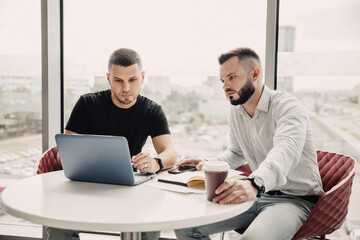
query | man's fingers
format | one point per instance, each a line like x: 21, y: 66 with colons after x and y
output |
x: 220, y: 198
x: 231, y: 192
x: 185, y: 162
x: 141, y: 161
x: 140, y: 156
x: 224, y: 186
x: 236, y: 196
x: 146, y: 165
x: 239, y: 199
x: 190, y: 161
x: 199, y: 166
x: 223, y: 191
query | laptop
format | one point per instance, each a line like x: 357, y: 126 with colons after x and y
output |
x: 96, y: 158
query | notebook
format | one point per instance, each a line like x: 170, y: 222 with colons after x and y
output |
x: 96, y: 158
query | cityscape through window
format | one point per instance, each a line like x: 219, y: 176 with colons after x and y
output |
x: 179, y: 43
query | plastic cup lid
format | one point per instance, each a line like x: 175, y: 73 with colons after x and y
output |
x: 216, y: 166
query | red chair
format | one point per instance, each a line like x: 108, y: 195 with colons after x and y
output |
x: 337, y: 173
x: 245, y: 169
x: 48, y: 161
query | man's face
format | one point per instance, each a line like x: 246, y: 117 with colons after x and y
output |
x: 125, y: 84
x: 237, y: 82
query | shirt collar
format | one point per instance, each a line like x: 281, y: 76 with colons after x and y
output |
x: 263, y: 104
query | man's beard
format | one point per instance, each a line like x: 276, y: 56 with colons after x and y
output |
x: 125, y: 101
x: 244, y: 93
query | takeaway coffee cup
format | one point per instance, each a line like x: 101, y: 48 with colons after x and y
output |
x: 215, y: 174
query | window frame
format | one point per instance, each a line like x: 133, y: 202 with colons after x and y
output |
x: 52, y: 71
x: 52, y: 57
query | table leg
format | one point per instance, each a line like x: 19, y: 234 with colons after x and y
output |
x: 130, y: 235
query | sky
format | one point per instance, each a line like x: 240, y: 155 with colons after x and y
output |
x: 183, y: 38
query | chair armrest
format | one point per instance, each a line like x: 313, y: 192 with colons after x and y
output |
x: 329, y: 212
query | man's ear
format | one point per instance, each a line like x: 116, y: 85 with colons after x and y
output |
x: 108, y: 78
x: 142, y: 77
x: 256, y: 73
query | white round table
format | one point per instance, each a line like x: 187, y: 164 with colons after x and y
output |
x: 51, y: 199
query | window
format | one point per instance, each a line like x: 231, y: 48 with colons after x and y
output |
x: 20, y: 88
x: 318, y: 59
x: 319, y: 55
x: 20, y: 101
x: 179, y: 42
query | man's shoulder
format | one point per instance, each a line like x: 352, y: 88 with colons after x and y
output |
x: 95, y: 97
x: 282, y: 102
x: 282, y: 98
x: 99, y: 94
x: 148, y: 103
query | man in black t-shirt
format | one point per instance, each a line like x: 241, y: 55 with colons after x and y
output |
x: 96, y: 113
x: 121, y: 111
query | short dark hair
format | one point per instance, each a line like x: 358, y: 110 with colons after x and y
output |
x: 124, y: 57
x: 244, y: 55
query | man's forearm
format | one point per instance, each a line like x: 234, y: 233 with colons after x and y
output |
x: 169, y: 157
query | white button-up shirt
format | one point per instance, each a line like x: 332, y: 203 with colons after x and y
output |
x: 278, y: 144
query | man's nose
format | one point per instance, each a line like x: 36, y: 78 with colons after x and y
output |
x: 126, y: 87
x: 225, y: 85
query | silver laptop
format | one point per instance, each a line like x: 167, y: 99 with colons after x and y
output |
x: 95, y: 158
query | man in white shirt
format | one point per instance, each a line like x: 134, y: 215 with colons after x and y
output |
x: 271, y: 131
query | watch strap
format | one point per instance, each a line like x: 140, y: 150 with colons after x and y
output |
x: 260, y: 188
x: 160, y: 162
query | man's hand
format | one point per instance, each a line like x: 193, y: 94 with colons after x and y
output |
x: 145, y: 163
x: 192, y: 161
x: 235, y: 192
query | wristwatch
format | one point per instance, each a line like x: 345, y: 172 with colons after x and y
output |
x: 258, y: 184
x: 160, y: 162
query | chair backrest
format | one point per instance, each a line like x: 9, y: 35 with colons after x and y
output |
x: 334, y: 168
x: 48, y: 161
x: 337, y: 173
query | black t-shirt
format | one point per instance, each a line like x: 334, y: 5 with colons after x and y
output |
x: 95, y: 113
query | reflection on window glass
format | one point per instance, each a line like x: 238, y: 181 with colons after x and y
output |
x: 179, y: 42
x: 319, y: 55
x: 20, y: 88
x: 318, y: 61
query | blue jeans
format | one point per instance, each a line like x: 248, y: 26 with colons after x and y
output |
x: 270, y: 217
x: 64, y: 234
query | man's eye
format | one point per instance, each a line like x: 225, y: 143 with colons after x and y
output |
x: 232, y: 77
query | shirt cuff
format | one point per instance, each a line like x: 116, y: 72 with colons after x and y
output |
x: 267, y: 176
